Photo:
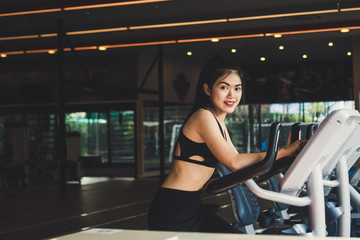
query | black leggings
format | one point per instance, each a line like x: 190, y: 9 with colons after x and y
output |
x: 176, y: 210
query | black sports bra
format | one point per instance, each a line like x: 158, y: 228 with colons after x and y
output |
x: 190, y: 148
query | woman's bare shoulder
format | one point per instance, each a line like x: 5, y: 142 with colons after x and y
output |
x: 202, y: 120
x: 202, y: 114
x: 199, y: 120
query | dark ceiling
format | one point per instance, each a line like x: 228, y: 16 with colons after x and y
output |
x: 311, y: 15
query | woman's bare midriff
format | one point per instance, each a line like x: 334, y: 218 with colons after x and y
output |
x: 187, y: 176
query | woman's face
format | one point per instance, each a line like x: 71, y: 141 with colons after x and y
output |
x: 226, y: 93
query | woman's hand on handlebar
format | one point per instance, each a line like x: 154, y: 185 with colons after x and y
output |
x: 291, y: 149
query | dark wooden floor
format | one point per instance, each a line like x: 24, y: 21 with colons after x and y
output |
x: 39, y: 212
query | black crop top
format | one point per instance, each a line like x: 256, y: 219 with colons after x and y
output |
x: 190, y: 148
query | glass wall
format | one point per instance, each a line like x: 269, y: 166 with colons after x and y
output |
x: 98, y: 129
x: 110, y: 134
x: 92, y: 129
x: 122, y: 136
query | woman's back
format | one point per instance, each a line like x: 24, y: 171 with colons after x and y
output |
x: 195, y: 163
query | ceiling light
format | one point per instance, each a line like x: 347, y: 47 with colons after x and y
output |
x: 350, y: 9
x: 315, y: 31
x: 189, y: 53
x: 102, y: 48
x: 51, y: 51
x: 139, y: 44
x: 48, y: 35
x: 86, y: 48
x: 30, y: 12
x: 277, y: 36
x: 97, y: 31
x: 178, y: 24
x: 37, y: 51
x: 262, y: 59
x: 220, y: 38
x: 14, y: 53
x: 281, y: 47
x: 3, y: 55
x: 349, y: 53
x: 242, y: 36
x: 283, y: 15
x: 18, y: 37
x: 233, y: 50
x: 214, y: 40
x: 80, y: 7
x: 116, y: 4
x: 304, y: 56
x: 331, y: 44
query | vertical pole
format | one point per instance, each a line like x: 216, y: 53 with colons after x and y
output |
x: 139, y: 138
x: 109, y: 137
x: 342, y: 175
x: 259, y: 124
x: 61, y: 150
x: 161, y: 115
x: 315, y: 188
x: 251, y: 128
x: 136, y: 149
x: 303, y: 109
x: 97, y: 142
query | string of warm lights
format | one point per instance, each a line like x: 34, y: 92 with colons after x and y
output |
x: 215, y: 39
x: 181, y: 24
x: 130, y: 28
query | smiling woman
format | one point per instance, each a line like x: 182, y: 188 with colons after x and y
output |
x: 226, y: 93
x: 203, y: 141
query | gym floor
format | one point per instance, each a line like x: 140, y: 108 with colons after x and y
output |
x: 39, y: 212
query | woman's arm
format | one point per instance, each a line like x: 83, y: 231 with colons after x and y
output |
x: 207, y: 130
x: 202, y: 127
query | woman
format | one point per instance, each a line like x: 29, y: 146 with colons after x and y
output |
x: 204, y: 141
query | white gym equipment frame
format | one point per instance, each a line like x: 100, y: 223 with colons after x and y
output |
x: 335, y: 142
